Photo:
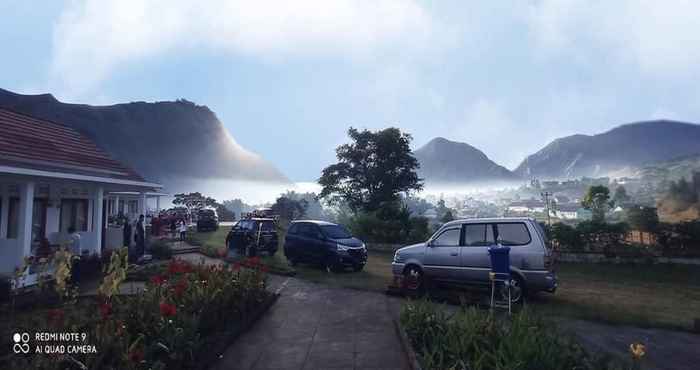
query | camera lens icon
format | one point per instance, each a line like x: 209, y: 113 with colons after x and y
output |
x: 21, y: 343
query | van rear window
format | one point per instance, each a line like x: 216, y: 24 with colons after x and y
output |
x: 512, y: 234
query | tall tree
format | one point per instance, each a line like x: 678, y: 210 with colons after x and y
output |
x: 372, y: 170
x: 194, y: 201
x: 621, y: 197
x: 597, y: 200
x: 289, y: 209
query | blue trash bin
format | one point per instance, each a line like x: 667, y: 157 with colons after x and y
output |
x: 500, y: 260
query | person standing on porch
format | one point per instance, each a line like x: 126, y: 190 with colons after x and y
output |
x: 140, y: 236
x: 126, y: 233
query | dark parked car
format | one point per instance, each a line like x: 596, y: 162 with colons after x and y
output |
x: 253, y: 235
x: 324, y: 243
x: 207, y: 219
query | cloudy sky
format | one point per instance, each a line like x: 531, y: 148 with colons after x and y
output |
x: 288, y: 78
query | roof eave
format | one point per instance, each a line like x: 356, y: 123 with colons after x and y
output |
x: 71, y: 176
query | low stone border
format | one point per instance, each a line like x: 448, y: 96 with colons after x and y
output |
x: 219, y: 344
x: 407, y: 347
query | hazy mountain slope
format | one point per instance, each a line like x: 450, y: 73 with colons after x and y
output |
x: 163, y: 141
x: 448, y: 162
x: 628, y: 145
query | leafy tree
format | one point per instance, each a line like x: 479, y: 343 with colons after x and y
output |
x: 194, y: 201
x: 597, y: 200
x: 643, y: 219
x: 224, y: 213
x: 447, y: 217
x: 314, y: 209
x: 237, y: 206
x: 685, y: 193
x: 375, y: 168
x: 289, y: 209
x: 621, y: 197
x: 416, y: 205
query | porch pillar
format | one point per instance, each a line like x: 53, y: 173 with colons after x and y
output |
x: 142, y: 204
x: 116, y: 207
x: 97, y: 214
x: 26, y: 208
x: 4, y: 213
x: 158, y: 204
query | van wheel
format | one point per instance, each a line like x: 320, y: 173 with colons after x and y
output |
x: 517, y: 290
x: 413, y: 282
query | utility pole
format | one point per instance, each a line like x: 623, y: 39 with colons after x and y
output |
x: 546, y: 196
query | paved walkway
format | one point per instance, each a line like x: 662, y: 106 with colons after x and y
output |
x: 665, y: 349
x: 319, y: 327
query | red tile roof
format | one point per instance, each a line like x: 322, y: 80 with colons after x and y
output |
x: 29, y: 142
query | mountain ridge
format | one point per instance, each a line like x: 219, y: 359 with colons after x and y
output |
x: 630, y: 144
x: 162, y: 141
x: 443, y: 161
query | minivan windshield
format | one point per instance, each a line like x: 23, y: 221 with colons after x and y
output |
x: 335, y: 232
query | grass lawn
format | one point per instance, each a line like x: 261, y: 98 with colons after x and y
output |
x: 211, y: 239
x: 641, y: 295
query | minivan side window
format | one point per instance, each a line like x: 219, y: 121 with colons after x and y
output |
x: 512, y: 234
x: 478, y: 235
x: 449, y: 237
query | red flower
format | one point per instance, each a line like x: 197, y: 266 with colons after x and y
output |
x: 178, y: 267
x: 255, y: 260
x: 167, y: 309
x: 180, y: 287
x: 157, y: 280
x: 136, y: 355
x: 105, y: 310
x: 236, y: 266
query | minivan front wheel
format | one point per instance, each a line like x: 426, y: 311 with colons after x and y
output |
x: 413, y: 282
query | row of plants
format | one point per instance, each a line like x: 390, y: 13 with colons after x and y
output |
x: 673, y: 240
x: 176, y: 322
x: 475, y: 339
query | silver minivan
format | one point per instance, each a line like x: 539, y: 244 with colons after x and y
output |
x: 458, y: 253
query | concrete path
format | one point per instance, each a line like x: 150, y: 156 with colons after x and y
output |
x: 319, y: 327
x: 665, y: 349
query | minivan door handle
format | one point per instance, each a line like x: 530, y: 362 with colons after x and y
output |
x: 454, y: 254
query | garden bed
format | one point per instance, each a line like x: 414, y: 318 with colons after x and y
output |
x: 476, y: 339
x: 187, y: 315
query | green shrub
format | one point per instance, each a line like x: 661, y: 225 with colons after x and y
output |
x: 161, y: 250
x: 389, y: 224
x: 475, y: 340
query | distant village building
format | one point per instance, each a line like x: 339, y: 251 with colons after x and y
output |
x: 567, y: 211
x: 526, y: 206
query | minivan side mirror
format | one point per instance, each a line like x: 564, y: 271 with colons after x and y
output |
x: 429, y: 243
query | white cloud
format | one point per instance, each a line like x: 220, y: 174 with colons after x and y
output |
x: 92, y: 38
x: 658, y: 37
